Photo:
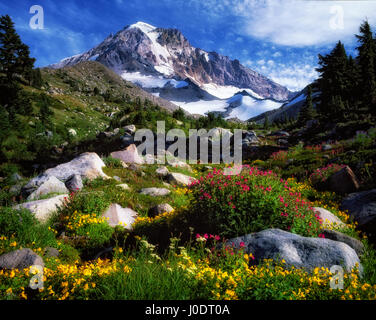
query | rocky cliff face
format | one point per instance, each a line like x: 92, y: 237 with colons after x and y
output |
x: 166, y: 54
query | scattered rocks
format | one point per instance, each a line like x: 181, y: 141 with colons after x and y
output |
x: 343, y: 181
x: 20, y: 259
x: 74, y: 183
x: 328, y: 218
x: 118, y: 216
x: 159, y: 209
x: 297, y: 251
x: 88, y: 165
x: 155, y: 192
x: 48, y: 185
x: 180, y: 179
x: 162, y: 171
x: 42, y: 209
x: 338, y: 236
x: 128, y: 155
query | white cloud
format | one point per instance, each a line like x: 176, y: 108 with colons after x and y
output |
x: 294, y: 77
x: 303, y: 23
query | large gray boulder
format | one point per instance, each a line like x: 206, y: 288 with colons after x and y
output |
x: 180, y: 179
x: 343, y: 181
x: 20, y: 259
x: 361, y: 206
x: 43, y: 209
x: 338, y: 236
x: 88, y: 165
x: 119, y: 216
x: 47, y: 185
x: 297, y: 251
x: 128, y: 155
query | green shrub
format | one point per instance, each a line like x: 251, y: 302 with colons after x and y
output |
x: 113, y: 163
x: 320, y: 176
x: 25, y: 228
x: 234, y: 205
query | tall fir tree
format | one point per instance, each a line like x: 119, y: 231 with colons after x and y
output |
x: 307, y: 112
x: 266, y: 122
x: 332, y: 82
x: 14, y: 55
x: 367, y: 64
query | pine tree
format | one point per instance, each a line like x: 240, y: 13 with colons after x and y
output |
x: 266, y: 122
x: 45, y: 111
x: 367, y: 64
x: 307, y: 112
x: 36, y: 78
x: 14, y: 55
x: 332, y: 82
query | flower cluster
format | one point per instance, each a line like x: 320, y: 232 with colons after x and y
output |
x: 255, y: 199
x: 321, y: 175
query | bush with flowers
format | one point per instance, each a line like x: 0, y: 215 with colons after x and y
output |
x: 254, y: 200
x: 320, y: 176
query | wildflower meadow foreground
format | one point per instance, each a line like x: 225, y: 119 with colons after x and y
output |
x: 184, y: 253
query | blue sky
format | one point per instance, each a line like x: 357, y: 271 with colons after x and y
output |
x: 278, y: 38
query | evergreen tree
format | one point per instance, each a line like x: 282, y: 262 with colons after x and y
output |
x: 307, y: 112
x: 45, y: 111
x: 367, y: 64
x: 332, y: 81
x: 266, y: 122
x: 36, y: 78
x: 14, y: 55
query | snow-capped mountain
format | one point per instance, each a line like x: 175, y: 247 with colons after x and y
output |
x: 163, y: 62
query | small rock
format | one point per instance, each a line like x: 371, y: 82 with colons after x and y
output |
x: 51, y: 252
x: 124, y: 186
x: 74, y: 183
x: 128, y: 155
x: 180, y: 179
x: 326, y: 147
x: 117, y: 178
x: 162, y: 171
x: 130, y: 128
x: 328, y: 218
x: 118, y: 216
x: 155, y: 192
x: 159, y: 209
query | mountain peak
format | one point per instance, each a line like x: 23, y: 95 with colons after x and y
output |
x: 143, y: 26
